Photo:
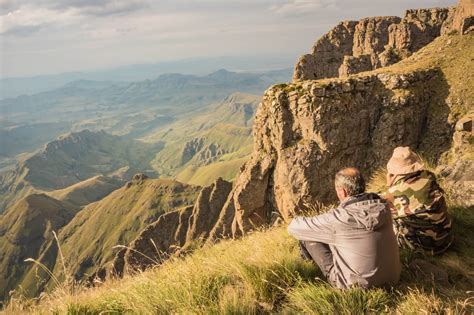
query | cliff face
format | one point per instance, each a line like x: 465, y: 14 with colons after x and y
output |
x: 371, y: 43
x: 304, y: 133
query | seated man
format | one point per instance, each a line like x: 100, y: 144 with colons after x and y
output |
x: 419, y: 209
x: 353, y: 244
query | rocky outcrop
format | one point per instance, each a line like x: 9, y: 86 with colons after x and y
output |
x: 200, y: 153
x: 305, y: 132
x: 463, y: 19
x: 190, y: 149
x: 356, y: 46
x: 457, y: 173
x: 155, y: 243
x: 174, y: 231
x: 209, y: 154
x: 207, y: 210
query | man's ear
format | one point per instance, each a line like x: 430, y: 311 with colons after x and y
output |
x: 341, y: 193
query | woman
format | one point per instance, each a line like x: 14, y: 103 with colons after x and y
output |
x: 421, y: 220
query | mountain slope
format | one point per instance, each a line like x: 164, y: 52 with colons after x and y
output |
x: 87, y: 191
x: 219, y: 133
x: 62, y: 163
x: 88, y: 240
x: 25, y: 231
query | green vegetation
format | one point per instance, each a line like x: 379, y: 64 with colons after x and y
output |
x: 62, y: 163
x: 219, y: 133
x: 205, y: 175
x: 263, y: 273
x: 25, y: 232
x: 88, y: 240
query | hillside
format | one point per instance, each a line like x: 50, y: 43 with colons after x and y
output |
x: 88, y: 240
x: 88, y: 191
x: 263, y: 273
x: 25, y: 231
x: 62, y: 163
x: 200, y: 142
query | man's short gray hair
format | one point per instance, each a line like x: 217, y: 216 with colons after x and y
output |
x: 351, y: 180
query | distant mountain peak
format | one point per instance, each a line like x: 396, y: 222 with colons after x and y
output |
x: 221, y: 73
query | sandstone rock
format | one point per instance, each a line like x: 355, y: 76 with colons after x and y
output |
x: 351, y: 65
x: 464, y: 124
x: 207, y: 210
x: 328, y: 53
x: 458, y: 176
x: 190, y: 149
x: 352, y: 47
x: 463, y: 20
x: 138, y: 178
x: 157, y: 241
x: 299, y: 146
x: 458, y: 180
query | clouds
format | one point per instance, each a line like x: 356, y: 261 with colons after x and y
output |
x: 50, y: 36
x: 100, y: 7
x: 23, y: 18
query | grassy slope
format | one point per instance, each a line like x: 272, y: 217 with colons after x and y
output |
x: 88, y: 240
x: 87, y: 191
x: 263, y: 273
x: 24, y: 232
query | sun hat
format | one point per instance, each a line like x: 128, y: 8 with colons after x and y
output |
x: 404, y: 161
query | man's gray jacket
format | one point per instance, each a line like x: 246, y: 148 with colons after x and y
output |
x: 360, y: 235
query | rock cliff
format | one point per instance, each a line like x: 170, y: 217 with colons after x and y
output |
x: 306, y: 131
x: 371, y: 43
x: 173, y: 232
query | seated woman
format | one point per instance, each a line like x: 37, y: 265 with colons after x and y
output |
x: 419, y: 210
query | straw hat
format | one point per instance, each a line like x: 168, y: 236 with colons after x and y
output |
x: 404, y: 161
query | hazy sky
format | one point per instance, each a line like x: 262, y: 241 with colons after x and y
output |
x: 52, y: 36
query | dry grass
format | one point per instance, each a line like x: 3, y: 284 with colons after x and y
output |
x: 262, y: 273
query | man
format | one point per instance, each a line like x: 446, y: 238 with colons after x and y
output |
x: 353, y: 244
x: 419, y: 210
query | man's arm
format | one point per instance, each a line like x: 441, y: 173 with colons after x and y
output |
x: 317, y: 229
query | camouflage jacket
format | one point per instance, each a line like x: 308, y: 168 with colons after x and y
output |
x: 420, y: 213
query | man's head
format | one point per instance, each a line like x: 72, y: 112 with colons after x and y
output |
x: 349, y: 182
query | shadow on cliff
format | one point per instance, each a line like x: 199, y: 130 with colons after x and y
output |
x: 307, y: 131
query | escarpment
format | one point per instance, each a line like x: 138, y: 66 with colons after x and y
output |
x: 305, y: 132
x: 371, y: 43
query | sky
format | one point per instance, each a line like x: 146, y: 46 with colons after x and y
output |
x: 53, y: 36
